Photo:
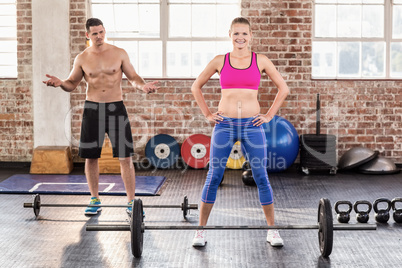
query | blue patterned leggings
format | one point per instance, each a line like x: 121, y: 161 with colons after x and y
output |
x: 253, y: 142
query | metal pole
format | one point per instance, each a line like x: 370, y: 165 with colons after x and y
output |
x: 354, y: 227
x: 318, y: 116
x: 105, y: 227
x: 264, y: 227
x: 30, y: 205
x: 125, y: 227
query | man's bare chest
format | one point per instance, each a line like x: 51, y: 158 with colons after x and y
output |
x: 102, y: 66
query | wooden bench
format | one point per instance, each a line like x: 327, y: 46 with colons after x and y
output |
x: 108, y: 163
x: 52, y: 160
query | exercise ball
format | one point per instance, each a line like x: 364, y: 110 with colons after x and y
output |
x: 283, y: 144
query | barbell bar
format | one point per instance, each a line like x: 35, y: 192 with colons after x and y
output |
x: 325, y: 227
x: 36, y: 205
x: 126, y: 227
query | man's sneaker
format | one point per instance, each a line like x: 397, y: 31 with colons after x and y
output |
x: 274, y: 238
x: 93, y: 210
x: 129, y: 209
x: 199, y: 239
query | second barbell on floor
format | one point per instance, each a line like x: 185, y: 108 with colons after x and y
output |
x: 37, y: 204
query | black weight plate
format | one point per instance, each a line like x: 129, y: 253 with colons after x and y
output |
x: 36, y: 205
x: 323, y: 160
x: 328, y: 147
x: 318, y: 168
x: 327, y: 157
x: 184, y: 206
x: 162, y: 151
x: 318, y: 143
x: 323, y: 156
x: 323, y: 149
x: 137, y: 235
x: 314, y: 137
x: 319, y: 152
x: 325, y: 227
x: 318, y: 163
x: 313, y: 161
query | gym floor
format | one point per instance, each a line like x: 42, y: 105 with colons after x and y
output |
x: 58, y: 237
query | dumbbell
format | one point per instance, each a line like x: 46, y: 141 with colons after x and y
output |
x: 344, y: 215
x: 362, y: 216
x: 382, y: 215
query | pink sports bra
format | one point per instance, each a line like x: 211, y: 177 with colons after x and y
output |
x: 231, y: 77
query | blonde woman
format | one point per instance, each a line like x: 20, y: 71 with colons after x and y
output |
x: 238, y: 119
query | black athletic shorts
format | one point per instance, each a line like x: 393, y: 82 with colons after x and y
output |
x: 101, y: 118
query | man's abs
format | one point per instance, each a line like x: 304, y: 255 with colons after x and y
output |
x: 104, y: 89
x: 103, y: 74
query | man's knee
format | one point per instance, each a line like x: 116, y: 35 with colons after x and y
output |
x: 91, y: 161
x: 125, y: 161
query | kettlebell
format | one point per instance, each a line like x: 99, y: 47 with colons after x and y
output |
x: 343, y: 216
x: 362, y: 216
x: 246, y: 166
x: 247, y: 178
x: 382, y: 215
x: 223, y: 177
x: 397, y: 211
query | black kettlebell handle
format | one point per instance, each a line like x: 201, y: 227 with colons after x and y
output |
x: 342, y: 202
x: 363, y: 202
x: 394, y: 201
x: 382, y: 200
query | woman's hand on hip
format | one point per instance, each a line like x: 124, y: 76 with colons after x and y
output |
x: 260, y: 119
x: 215, y: 117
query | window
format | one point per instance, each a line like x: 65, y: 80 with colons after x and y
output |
x: 168, y: 38
x: 8, y: 39
x: 357, y: 39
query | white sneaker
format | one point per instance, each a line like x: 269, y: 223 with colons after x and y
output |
x: 199, y: 239
x: 274, y: 238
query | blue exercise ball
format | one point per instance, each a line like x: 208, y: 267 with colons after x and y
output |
x: 283, y: 144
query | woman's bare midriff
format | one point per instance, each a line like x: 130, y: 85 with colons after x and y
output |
x: 239, y: 103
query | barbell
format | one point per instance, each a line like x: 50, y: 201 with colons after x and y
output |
x: 325, y: 227
x: 36, y: 205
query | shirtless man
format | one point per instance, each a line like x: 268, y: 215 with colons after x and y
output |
x: 102, y: 66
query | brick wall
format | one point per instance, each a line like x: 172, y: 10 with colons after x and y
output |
x: 78, y: 17
x: 16, y: 119
x: 365, y: 113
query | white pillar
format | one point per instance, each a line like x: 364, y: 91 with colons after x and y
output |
x: 50, y: 55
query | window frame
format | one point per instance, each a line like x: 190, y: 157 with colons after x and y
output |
x: 164, y: 33
x: 387, y: 39
x: 11, y: 39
